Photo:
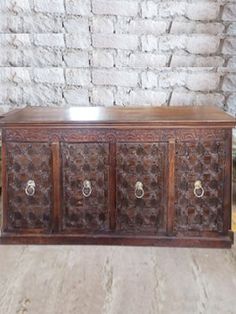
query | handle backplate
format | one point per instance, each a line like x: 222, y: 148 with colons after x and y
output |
x: 198, y: 189
x: 30, y: 188
x: 139, y: 191
x: 87, y: 188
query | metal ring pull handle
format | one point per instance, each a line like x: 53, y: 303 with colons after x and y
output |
x: 198, y: 189
x: 87, y: 188
x: 30, y: 188
x: 139, y: 191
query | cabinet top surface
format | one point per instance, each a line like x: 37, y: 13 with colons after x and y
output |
x: 183, y: 115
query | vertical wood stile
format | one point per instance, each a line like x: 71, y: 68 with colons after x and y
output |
x: 4, y: 186
x: 56, y: 165
x: 227, y: 182
x: 171, y: 187
x: 112, y: 185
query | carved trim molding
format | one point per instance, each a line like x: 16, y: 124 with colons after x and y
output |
x: 110, y: 135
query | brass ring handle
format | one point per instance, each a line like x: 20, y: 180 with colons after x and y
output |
x: 87, y: 188
x: 197, y: 187
x: 139, y: 191
x: 30, y: 188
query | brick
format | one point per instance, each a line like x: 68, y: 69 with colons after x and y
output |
x: 172, y: 9
x: 38, y: 94
x: 202, y: 81
x: 76, y: 58
x: 141, y: 97
x: 196, y: 99
x: 200, y: 11
x: 231, y: 104
x: 15, y: 7
x: 41, y: 23
x: 48, y: 75
x: 229, y: 83
x: 141, y: 27
x: 172, y: 43
x: 15, y: 41
x: 78, y: 7
x: 149, y: 80
x: 11, y: 57
x: 118, y: 41
x: 10, y: 23
x: 49, y: 6
x: 49, y: 40
x: 102, y: 96
x: 81, y: 41
x: 140, y: 60
x: 204, y: 11
x: 10, y: 94
x: 78, y: 77
x: 17, y: 75
x: 76, y: 96
x: 149, y: 43
x: 76, y: 24
x: 197, y: 28
x: 229, y: 46
x: 30, y: 57
x: 229, y: 12
x: 231, y: 29
x: 103, y: 24
x: 196, y: 81
x: 196, y: 61
x: 149, y: 9
x: 125, y: 8
x: 101, y: 58
x: 232, y: 62
x: 41, y: 57
x: 115, y: 77
x: 195, y: 44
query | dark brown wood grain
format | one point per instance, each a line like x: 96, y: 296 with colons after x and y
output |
x: 25, y: 162
x: 166, y: 149
x: 227, y: 199
x: 112, y: 185
x: 171, y: 187
x: 4, y: 186
x: 57, y: 189
x: 204, y: 161
x: 107, y: 134
x: 85, y: 162
x: 144, y: 163
x: 195, y: 115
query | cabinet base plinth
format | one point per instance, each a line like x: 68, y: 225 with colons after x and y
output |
x: 161, y: 241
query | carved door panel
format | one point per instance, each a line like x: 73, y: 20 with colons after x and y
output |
x: 141, y: 192
x: 85, y: 186
x: 29, y: 186
x: 199, y: 186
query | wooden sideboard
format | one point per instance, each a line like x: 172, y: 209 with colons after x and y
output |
x: 128, y: 176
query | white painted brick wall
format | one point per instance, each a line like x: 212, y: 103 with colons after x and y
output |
x: 117, y: 52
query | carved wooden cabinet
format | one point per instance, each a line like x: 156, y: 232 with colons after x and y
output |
x: 132, y: 176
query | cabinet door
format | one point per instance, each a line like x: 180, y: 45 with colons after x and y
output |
x: 141, y: 195
x: 199, y: 186
x: 29, y: 187
x: 85, y: 186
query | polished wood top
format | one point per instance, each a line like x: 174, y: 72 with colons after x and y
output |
x: 170, y: 116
